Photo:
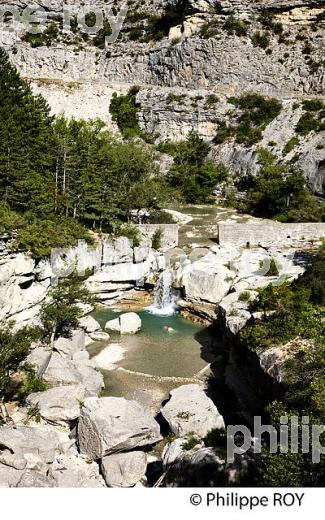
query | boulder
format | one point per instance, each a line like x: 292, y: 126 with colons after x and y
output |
x: 39, y: 358
x: 176, y: 451
x: 196, y: 468
x: 191, y: 410
x: 141, y: 253
x: 109, y: 356
x: 124, y: 469
x: 99, y: 335
x: 112, y: 424
x: 68, y: 346
x: 9, y: 477
x: 61, y: 371
x: 35, y: 479
x: 76, y: 471
x: 127, y: 323
x: 58, y: 405
x: 89, y: 376
x: 89, y: 324
x: 40, y: 442
x: 206, y: 281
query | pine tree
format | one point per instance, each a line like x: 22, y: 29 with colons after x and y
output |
x: 26, y: 144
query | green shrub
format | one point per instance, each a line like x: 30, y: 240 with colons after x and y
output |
x: 313, y: 105
x: 14, y: 348
x: 175, y: 98
x: 256, y: 113
x: 131, y: 232
x: 31, y: 383
x: 235, y: 26
x: 294, y: 141
x: 210, y: 29
x: 47, y: 37
x: 245, y: 296
x: 212, y: 99
x: 273, y: 269
x: 306, y: 124
x: 157, y: 239
x: 192, y: 441
x: 124, y: 111
x: 260, y: 39
x: 39, y: 237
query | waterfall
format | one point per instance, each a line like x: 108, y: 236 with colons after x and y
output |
x: 164, y: 295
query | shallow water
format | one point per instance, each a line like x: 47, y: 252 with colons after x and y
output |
x: 155, y: 361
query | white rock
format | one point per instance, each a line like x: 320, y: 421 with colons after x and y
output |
x: 124, y: 469
x: 127, y: 323
x: 109, y: 356
x: 60, y: 404
x: 89, y: 324
x: 191, y: 410
x: 76, y: 471
x: 113, y: 424
x: 40, y: 441
x: 100, y: 335
x: 68, y: 346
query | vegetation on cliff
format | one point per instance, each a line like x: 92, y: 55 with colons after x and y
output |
x: 294, y: 316
x: 279, y: 191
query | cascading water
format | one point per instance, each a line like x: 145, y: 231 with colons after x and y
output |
x: 164, y: 295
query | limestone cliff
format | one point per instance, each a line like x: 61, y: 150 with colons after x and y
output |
x: 180, y: 53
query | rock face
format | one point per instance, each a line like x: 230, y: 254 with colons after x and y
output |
x: 127, y: 323
x: 124, y: 469
x: 198, y: 54
x: 112, y: 424
x: 191, y: 410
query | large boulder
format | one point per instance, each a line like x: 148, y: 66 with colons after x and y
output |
x: 68, y: 346
x: 76, y: 471
x: 113, y: 424
x: 191, y: 410
x: 206, y: 280
x: 127, y: 323
x: 109, y: 356
x: 124, y: 469
x: 61, y: 371
x: 89, y: 324
x: 59, y: 405
x: 40, y: 442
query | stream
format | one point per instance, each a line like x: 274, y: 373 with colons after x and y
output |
x: 169, y: 350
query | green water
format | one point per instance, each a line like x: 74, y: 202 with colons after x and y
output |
x: 156, y: 360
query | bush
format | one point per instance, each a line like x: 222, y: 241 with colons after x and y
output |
x: 256, y: 113
x: 124, y: 111
x: 294, y: 141
x: 39, y: 237
x: 260, y: 39
x: 313, y: 105
x: 157, y: 239
x: 14, y: 348
x: 245, y: 296
x: 235, y: 26
x: 306, y: 124
x: 273, y: 269
x: 131, y: 232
